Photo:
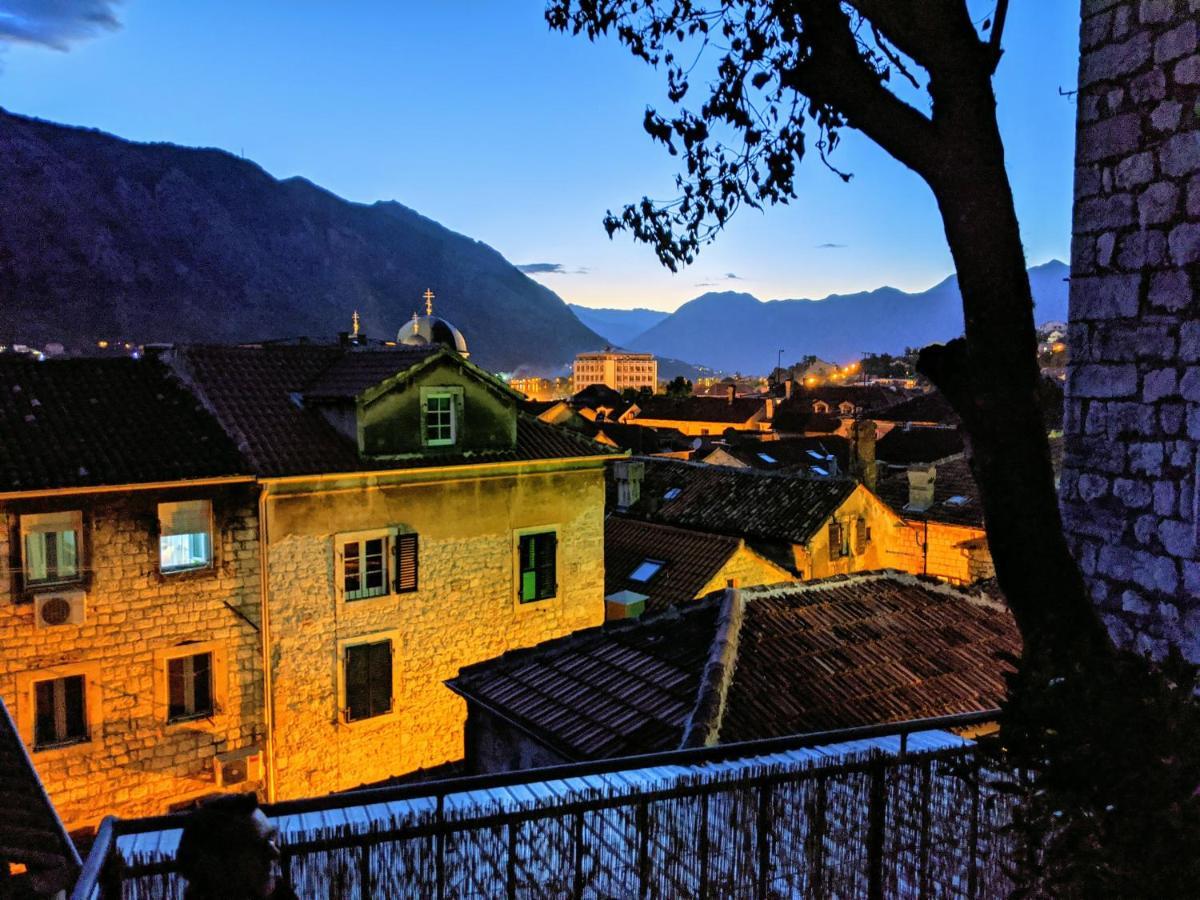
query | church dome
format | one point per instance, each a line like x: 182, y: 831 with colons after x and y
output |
x: 431, y: 329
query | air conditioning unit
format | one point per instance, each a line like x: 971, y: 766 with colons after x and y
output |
x: 241, y: 769
x: 60, y: 608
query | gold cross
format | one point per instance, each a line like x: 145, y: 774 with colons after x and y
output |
x: 428, y: 295
x: 355, y: 319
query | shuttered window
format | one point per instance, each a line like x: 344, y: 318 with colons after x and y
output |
x: 60, y: 712
x: 835, y: 540
x: 862, y: 536
x: 368, y: 680
x: 190, y: 687
x: 406, y: 563
x: 538, y: 576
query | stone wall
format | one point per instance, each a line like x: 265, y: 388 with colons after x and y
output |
x: 464, y: 612
x: 956, y: 553
x: 1133, y: 391
x: 136, y: 764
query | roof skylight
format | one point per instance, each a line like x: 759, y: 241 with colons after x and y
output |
x: 646, y: 570
x: 671, y: 493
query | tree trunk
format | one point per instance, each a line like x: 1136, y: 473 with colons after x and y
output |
x: 991, y: 380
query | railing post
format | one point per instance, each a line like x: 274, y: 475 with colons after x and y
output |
x: 925, y: 876
x: 577, y: 827
x: 642, y: 818
x: 973, y: 871
x: 440, y: 847
x: 876, y: 819
x: 511, y: 863
x: 814, y: 843
x: 764, y: 839
x: 364, y: 870
x: 702, y: 891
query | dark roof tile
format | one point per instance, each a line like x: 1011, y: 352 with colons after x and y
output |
x: 700, y: 409
x: 691, y: 559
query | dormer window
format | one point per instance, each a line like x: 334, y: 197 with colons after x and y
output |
x: 440, y: 411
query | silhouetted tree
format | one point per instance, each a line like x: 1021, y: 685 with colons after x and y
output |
x: 790, y: 66
x: 679, y: 387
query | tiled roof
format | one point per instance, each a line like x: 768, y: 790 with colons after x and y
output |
x: 89, y: 422
x: 853, y: 650
x: 739, y: 502
x: 953, y: 479
x: 902, y: 446
x: 793, y: 453
x: 868, y: 397
x: 255, y: 393
x: 700, y: 409
x: 614, y: 690
x: 638, y: 438
x: 30, y: 830
x: 930, y: 407
x: 796, y: 416
x: 352, y: 373
x: 691, y: 559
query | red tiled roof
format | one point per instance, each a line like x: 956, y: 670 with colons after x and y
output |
x: 105, y: 421
x: 865, y: 649
x: 739, y: 502
x: 256, y: 394
x: 691, y: 559
x: 953, y: 479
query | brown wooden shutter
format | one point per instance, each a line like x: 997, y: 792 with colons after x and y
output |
x: 546, y: 563
x: 862, y: 534
x: 835, y: 540
x: 406, y: 563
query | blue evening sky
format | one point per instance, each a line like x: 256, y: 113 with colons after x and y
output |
x: 476, y: 115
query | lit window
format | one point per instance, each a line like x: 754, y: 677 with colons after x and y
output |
x: 368, y: 680
x: 60, y: 712
x: 538, y: 555
x: 190, y: 687
x: 439, y: 420
x: 671, y: 493
x: 185, y: 535
x: 364, y: 568
x: 646, y: 570
x: 50, y: 545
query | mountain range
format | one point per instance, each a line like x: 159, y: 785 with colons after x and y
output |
x: 738, y: 332
x: 102, y: 238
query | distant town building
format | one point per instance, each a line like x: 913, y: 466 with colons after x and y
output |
x: 615, y: 368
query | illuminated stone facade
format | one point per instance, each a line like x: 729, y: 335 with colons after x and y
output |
x: 465, y: 609
x: 130, y: 761
x: 1129, y: 485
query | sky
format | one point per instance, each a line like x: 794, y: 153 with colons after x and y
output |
x: 475, y: 114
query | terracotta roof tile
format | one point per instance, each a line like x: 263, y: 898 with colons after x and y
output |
x: 105, y: 421
x: 690, y: 560
x: 953, y: 479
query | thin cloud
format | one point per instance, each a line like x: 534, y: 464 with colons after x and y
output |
x: 828, y: 246
x: 729, y: 276
x: 550, y: 269
x: 55, y: 23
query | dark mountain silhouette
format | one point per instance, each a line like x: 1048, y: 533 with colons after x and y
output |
x: 738, y: 332
x: 618, y: 326
x: 103, y: 238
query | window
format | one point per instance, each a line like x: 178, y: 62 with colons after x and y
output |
x: 368, y: 680
x: 439, y: 419
x: 60, y: 712
x: 50, y: 546
x: 364, y: 569
x: 185, y: 535
x: 190, y: 687
x: 839, y: 540
x: 646, y: 570
x: 537, y: 554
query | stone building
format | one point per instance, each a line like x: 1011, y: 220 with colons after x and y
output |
x: 414, y: 522
x: 130, y: 579
x: 1129, y: 486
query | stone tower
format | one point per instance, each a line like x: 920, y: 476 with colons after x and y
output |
x: 1129, y: 485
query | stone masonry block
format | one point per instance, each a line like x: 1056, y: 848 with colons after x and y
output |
x: 1187, y: 71
x: 1114, y: 137
x: 1110, y: 62
x: 1133, y: 494
x: 1180, y: 154
x: 1175, y: 43
x: 1146, y: 457
x: 1105, y: 213
x: 1134, y: 171
x: 1169, y: 290
x: 1164, y: 497
x: 1158, y: 203
x: 1166, y: 116
x: 1104, y: 381
x: 1170, y: 417
x: 1148, y: 87
x: 1189, y: 341
x: 1105, y: 297
x: 1178, y: 537
x: 1184, y: 243
x: 1142, y: 249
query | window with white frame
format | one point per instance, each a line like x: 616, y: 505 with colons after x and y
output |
x: 60, y: 712
x: 440, y: 427
x: 50, y: 548
x: 190, y: 687
x: 365, y: 568
x: 185, y: 535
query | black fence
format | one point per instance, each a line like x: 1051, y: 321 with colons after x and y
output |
x: 927, y: 823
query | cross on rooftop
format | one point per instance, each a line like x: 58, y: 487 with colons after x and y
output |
x: 428, y: 295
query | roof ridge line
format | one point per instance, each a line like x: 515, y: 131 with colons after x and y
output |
x: 704, y: 724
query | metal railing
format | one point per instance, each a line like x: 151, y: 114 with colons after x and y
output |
x: 920, y: 824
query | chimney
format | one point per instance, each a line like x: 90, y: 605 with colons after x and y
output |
x: 770, y: 408
x: 787, y: 389
x: 624, y: 605
x: 628, y: 475
x: 921, y: 480
x: 862, y: 463
x: 732, y: 393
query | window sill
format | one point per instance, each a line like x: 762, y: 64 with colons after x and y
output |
x: 188, y: 574
x: 387, y: 718
x: 63, y: 748
x: 528, y: 607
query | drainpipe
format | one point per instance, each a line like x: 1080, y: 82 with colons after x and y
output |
x: 265, y: 635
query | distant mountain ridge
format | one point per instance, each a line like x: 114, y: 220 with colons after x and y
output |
x: 618, y: 326
x: 104, y: 238
x: 738, y: 332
